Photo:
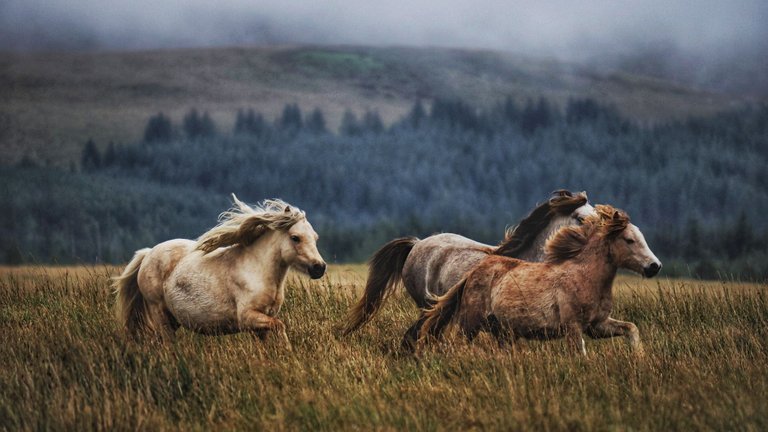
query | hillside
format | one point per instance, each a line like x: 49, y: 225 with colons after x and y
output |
x: 51, y: 103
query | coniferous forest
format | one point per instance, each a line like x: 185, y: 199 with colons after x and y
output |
x: 695, y: 187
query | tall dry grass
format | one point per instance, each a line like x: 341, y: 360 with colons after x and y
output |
x: 66, y: 366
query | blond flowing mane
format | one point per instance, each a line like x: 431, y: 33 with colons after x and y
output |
x: 243, y: 225
x: 570, y: 241
x: 519, y: 238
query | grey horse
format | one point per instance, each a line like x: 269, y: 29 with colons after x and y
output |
x: 429, y: 267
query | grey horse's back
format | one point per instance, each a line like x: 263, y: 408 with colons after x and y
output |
x: 438, y: 262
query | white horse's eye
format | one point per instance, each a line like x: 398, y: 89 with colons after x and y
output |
x: 628, y: 240
x: 295, y: 238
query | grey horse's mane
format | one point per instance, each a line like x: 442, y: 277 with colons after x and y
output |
x: 243, y: 224
x: 570, y: 241
x: 521, y: 237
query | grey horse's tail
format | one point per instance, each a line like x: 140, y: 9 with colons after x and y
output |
x: 131, y: 306
x: 440, y: 315
x: 384, y: 272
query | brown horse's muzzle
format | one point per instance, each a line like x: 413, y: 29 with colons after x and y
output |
x: 652, y: 270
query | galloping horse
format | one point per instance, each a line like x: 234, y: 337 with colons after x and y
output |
x: 231, y: 279
x: 569, y: 294
x: 429, y: 267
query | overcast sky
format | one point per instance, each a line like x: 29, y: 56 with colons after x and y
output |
x: 569, y: 29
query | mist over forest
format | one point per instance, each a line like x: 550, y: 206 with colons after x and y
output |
x: 695, y: 187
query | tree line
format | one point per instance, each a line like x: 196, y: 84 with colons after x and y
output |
x: 696, y: 187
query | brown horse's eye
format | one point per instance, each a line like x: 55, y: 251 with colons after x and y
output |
x: 629, y: 240
x: 295, y: 238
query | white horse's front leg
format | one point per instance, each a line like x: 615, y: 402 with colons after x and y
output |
x: 611, y: 327
x: 255, y: 321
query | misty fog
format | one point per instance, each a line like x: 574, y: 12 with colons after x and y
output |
x: 693, y: 41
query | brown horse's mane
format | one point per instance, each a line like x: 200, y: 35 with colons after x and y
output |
x: 570, y: 241
x: 519, y: 238
x: 243, y: 225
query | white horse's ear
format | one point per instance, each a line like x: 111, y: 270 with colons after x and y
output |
x: 616, y: 215
x: 287, y: 209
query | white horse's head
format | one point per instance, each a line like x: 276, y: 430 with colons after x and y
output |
x: 292, y: 234
x: 299, y: 249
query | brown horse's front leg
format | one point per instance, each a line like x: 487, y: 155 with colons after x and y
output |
x: 259, y: 323
x: 575, y: 339
x: 611, y: 327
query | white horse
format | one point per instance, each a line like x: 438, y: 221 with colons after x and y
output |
x: 230, y: 280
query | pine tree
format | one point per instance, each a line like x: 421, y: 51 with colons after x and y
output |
x: 90, y: 159
x: 316, y: 122
x: 158, y: 129
x: 349, y: 124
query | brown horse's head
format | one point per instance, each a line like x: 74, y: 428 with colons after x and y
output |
x: 627, y: 245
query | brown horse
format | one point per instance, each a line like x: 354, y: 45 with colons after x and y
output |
x: 567, y: 295
x: 430, y: 267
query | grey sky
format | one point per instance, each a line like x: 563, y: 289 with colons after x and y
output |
x: 567, y: 29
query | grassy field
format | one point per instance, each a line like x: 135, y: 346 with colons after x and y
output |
x: 51, y: 103
x: 66, y: 366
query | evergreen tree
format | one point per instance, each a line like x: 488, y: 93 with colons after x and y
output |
x: 316, y: 122
x: 158, y: 129
x: 90, y: 159
x: 192, y: 124
x: 349, y: 124
x: 417, y: 115
x: 291, y: 118
x: 372, y: 122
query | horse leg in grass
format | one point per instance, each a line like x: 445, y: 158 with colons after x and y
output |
x: 611, y: 328
x: 162, y: 322
x: 411, y: 335
x: 575, y: 339
x: 259, y: 323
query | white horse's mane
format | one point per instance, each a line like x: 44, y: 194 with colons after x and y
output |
x: 243, y: 224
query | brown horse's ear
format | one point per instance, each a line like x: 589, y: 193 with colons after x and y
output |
x: 616, y: 215
x: 562, y: 193
x: 287, y: 209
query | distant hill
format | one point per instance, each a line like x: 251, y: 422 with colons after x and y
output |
x: 51, y: 103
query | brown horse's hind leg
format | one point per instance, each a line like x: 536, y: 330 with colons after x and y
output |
x: 611, y: 327
x: 504, y: 336
x: 262, y: 324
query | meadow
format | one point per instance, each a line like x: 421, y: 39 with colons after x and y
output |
x: 65, y: 365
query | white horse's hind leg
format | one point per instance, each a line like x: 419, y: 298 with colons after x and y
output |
x: 258, y: 322
x: 162, y: 322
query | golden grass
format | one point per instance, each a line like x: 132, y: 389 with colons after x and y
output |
x: 66, y: 366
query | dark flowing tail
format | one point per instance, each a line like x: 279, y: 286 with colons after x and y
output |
x: 384, y: 272
x: 131, y: 306
x: 440, y: 315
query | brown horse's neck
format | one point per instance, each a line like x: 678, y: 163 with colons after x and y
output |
x: 598, y: 265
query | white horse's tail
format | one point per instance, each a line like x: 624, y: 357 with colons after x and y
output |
x: 131, y: 306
